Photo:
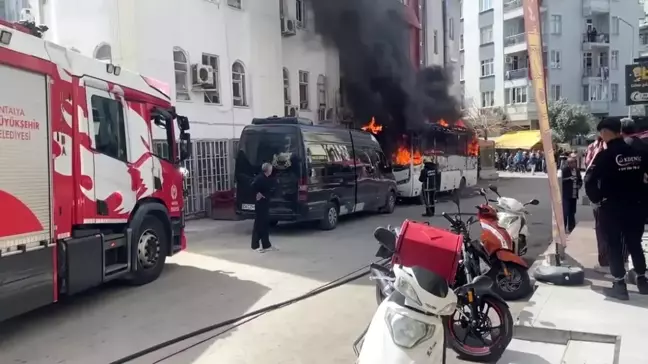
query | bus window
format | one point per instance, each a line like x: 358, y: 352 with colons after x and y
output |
x: 464, y: 140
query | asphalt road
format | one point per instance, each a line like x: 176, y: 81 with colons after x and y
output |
x: 220, y: 278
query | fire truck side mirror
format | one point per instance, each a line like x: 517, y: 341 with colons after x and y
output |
x: 185, y: 146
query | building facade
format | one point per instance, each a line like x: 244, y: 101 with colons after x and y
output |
x: 228, y: 61
x: 586, y: 43
x: 435, y: 36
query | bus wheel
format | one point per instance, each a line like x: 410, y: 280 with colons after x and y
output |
x: 152, y: 244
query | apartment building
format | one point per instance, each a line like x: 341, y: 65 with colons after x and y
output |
x: 227, y: 61
x: 586, y: 44
x: 435, y: 36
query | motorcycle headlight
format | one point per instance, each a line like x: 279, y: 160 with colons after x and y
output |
x: 407, y: 332
x: 448, y: 310
x: 407, y: 290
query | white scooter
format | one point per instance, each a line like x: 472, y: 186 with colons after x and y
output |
x: 512, y: 216
x: 407, y: 327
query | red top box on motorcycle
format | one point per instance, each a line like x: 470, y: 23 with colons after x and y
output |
x: 434, y: 249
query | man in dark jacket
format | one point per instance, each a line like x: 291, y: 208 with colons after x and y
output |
x: 614, y: 181
x: 428, y: 179
x: 263, y: 187
x: 572, y: 182
x: 627, y: 132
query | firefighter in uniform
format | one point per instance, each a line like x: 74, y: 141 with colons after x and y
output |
x: 428, y: 179
x: 615, y: 182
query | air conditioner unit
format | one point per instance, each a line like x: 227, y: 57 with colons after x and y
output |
x: 288, y: 27
x: 202, y: 76
x: 291, y: 110
x: 509, y: 59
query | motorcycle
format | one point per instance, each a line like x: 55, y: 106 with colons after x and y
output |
x: 507, y: 269
x: 470, y: 331
x: 512, y: 216
x: 407, y: 326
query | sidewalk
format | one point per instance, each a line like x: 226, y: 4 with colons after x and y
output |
x: 579, y: 325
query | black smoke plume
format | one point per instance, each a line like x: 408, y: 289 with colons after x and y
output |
x: 373, y: 40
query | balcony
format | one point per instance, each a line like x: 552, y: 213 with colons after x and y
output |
x: 591, y: 7
x: 513, y: 9
x: 597, y: 106
x: 594, y: 75
x: 522, y: 112
x: 516, y: 74
x: 593, y: 41
x: 515, y: 43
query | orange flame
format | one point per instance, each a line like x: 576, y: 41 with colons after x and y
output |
x: 373, y: 127
x: 473, y: 148
x: 403, y: 157
x: 444, y: 123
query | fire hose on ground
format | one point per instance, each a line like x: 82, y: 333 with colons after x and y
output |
x: 238, y: 321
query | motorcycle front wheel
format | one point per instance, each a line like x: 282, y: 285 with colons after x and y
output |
x: 474, y: 336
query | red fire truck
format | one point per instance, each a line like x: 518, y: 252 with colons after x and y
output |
x: 83, y: 199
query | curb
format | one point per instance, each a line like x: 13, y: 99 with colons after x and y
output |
x: 563, y: 337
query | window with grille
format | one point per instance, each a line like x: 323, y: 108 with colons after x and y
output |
x: 303, y: 90
x: 300, y: 13
x: 321, y: 97
x: 286, y: 86
x: 239, y: 92
x: 181, y: 69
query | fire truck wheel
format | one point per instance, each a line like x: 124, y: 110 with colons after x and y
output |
x: 152, y: 244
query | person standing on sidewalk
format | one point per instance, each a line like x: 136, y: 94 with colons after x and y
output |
x: 603, y: 266
x: 614, y: 181
x: 263, y: 186
x: 572, y: 181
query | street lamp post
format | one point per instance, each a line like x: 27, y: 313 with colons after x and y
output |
x: 632, y: 52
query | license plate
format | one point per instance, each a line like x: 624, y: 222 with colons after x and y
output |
x: 247, y: 206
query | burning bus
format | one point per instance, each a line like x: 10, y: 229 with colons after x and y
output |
x: 454, y: 147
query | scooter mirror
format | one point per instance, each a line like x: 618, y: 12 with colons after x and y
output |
x: 482, y: 192
x: 534, y: 202
x: 386, y: 238
x: 493, y: 188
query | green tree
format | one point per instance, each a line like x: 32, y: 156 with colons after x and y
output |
x: 568, y: 121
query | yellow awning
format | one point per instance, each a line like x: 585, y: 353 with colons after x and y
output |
x: 525, y: 139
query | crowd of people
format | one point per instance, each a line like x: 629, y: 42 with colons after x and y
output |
x: 520, y: 161
x: 533, y: 161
